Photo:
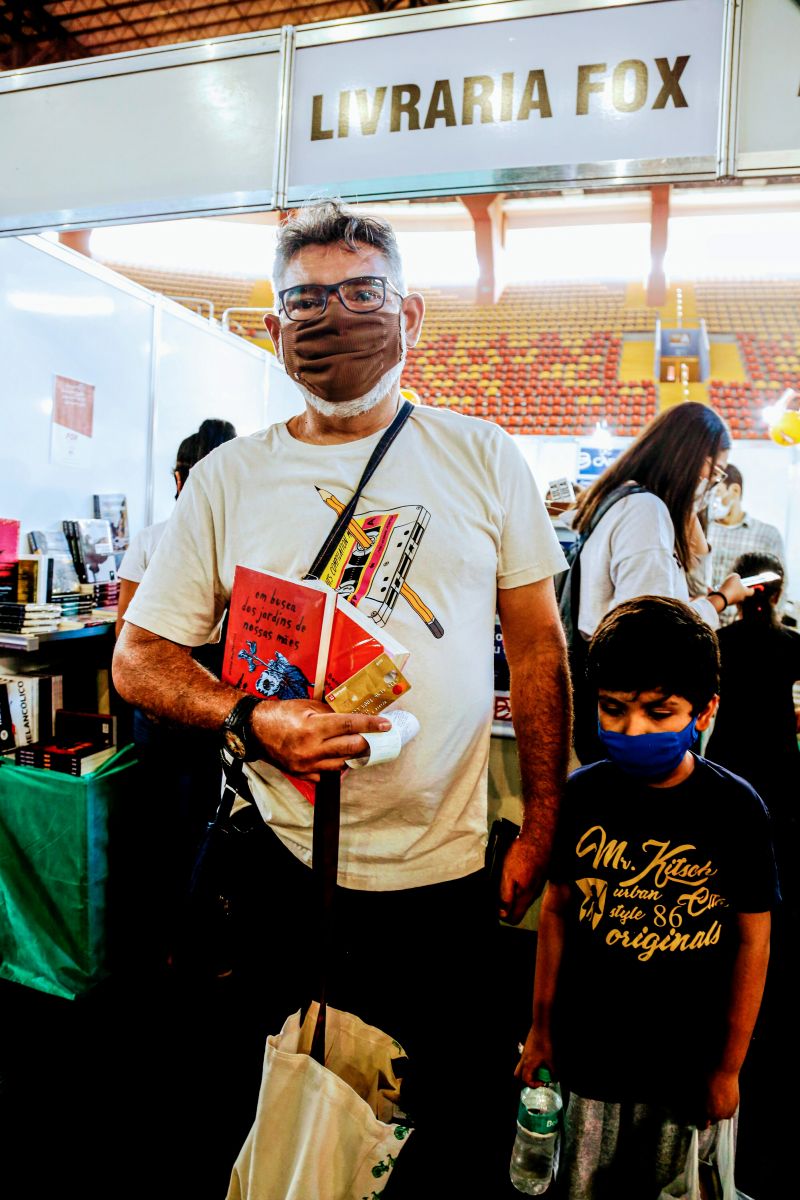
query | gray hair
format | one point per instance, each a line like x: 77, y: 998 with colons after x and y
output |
x: 329, y: 223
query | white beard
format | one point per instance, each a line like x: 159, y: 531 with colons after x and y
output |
x: 361, y: 404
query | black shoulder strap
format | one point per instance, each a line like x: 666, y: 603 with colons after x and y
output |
x: 348, y: 512
x: 572, y: 590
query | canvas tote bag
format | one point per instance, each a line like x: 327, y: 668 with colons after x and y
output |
x: 323, y: 1132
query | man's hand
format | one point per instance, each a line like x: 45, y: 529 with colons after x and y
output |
x: 304, y: 737
x: 523, y: 878
x: 722, y: 1096
x: 537, y: 1052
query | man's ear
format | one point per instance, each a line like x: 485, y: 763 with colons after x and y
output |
x: 414, y: 310
x: 273, y: 326
x: 734, y: 492
x: 704, y: 718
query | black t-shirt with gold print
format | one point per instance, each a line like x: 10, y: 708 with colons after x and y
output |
x: 657, y: 877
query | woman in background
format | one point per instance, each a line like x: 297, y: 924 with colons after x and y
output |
x: 755, y: 733
x: 642, y: 537
x: 180, y: 766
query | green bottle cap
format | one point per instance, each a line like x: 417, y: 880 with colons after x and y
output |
x: 543, y: 1075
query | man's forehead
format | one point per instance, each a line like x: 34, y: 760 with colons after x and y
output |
x: 330, y: 264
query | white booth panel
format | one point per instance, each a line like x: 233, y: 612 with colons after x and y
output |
x: 58, y: 317
x: 200, y: 372
x: 165, y: 132
x: 768, y: 107
x: 285, y: 399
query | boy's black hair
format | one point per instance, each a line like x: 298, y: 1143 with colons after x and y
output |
x: 655, y: 644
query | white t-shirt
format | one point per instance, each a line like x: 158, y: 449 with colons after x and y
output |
x: 141, y: 549
x: 632, y: 553
x: 478, y: 524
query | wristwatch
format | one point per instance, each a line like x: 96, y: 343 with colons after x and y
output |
x: 237, y: 736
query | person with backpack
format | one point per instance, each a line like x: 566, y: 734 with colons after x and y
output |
x: 639, y: 534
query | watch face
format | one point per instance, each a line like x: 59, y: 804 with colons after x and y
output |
x: 235, y: 744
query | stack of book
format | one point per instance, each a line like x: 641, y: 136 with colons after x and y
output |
x: 76, y: 607
x: 29, y: 620
x: 81, y: 743
x: 106, y: 595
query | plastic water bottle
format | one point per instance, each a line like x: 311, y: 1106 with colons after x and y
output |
x: 533, y: 1156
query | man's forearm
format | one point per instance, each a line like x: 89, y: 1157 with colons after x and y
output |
x: 163, y: 678
x: 541, y: 705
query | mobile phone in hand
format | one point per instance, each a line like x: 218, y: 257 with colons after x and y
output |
x: 763, y: 577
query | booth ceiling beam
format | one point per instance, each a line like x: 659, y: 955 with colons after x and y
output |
x: 29, y: 34
x: 32, y: 33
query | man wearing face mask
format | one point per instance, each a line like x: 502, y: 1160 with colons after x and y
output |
x: 734, y: 532
x: 454, y: 529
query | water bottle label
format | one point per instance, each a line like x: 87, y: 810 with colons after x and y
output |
x: 537, y: 1122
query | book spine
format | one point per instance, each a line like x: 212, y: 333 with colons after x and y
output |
x: 75, y: 548
x: 324, y: 643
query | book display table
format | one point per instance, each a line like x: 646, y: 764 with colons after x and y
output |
x: 56, y: 833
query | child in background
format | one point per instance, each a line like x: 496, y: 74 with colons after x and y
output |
x: 654, y: 929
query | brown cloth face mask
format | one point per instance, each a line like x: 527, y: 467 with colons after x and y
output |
x: 342, y: 355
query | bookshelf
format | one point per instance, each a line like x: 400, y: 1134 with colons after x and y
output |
x: 18, y: 643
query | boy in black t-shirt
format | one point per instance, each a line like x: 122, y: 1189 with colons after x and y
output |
x: 654, y: 927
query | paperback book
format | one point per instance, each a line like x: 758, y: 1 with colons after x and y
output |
x: 54, y: 544
x: 90, y: 543
x: 113, y: 507
x: 294, y: 640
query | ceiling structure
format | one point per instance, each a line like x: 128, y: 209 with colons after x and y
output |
x: 33, y: 32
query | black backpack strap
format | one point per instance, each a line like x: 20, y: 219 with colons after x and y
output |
x: 572, y: 589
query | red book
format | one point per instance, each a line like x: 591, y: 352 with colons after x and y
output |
x: 365, y: 663
x: 277, y: 642
x: 288, y: 640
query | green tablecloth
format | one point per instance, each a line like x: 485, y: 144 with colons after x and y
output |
x: 54, y: 843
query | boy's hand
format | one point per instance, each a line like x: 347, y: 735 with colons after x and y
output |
x: 722, y: 1096
x: 537, y: 1052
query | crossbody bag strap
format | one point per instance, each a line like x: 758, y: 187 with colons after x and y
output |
x: 348, y: 512
x: 327, y: 800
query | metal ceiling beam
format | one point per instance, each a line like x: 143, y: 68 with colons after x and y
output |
x: 266, y: 8
x: 24, y: 26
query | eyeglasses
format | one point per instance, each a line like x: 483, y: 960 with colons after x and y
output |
x: 365, y: 293
x: 718, y: 476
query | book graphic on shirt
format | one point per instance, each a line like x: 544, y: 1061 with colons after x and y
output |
x: 291, y: 640
x: 371, y: 563
x: 113, y: 507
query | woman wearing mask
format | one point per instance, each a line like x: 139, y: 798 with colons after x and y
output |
x: 641, y: 536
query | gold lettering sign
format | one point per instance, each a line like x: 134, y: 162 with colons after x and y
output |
x: 623, y: 87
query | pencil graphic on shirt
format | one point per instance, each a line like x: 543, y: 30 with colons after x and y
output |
x: 362, y: 539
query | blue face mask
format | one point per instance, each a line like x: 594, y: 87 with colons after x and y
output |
x: 649, y: 755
